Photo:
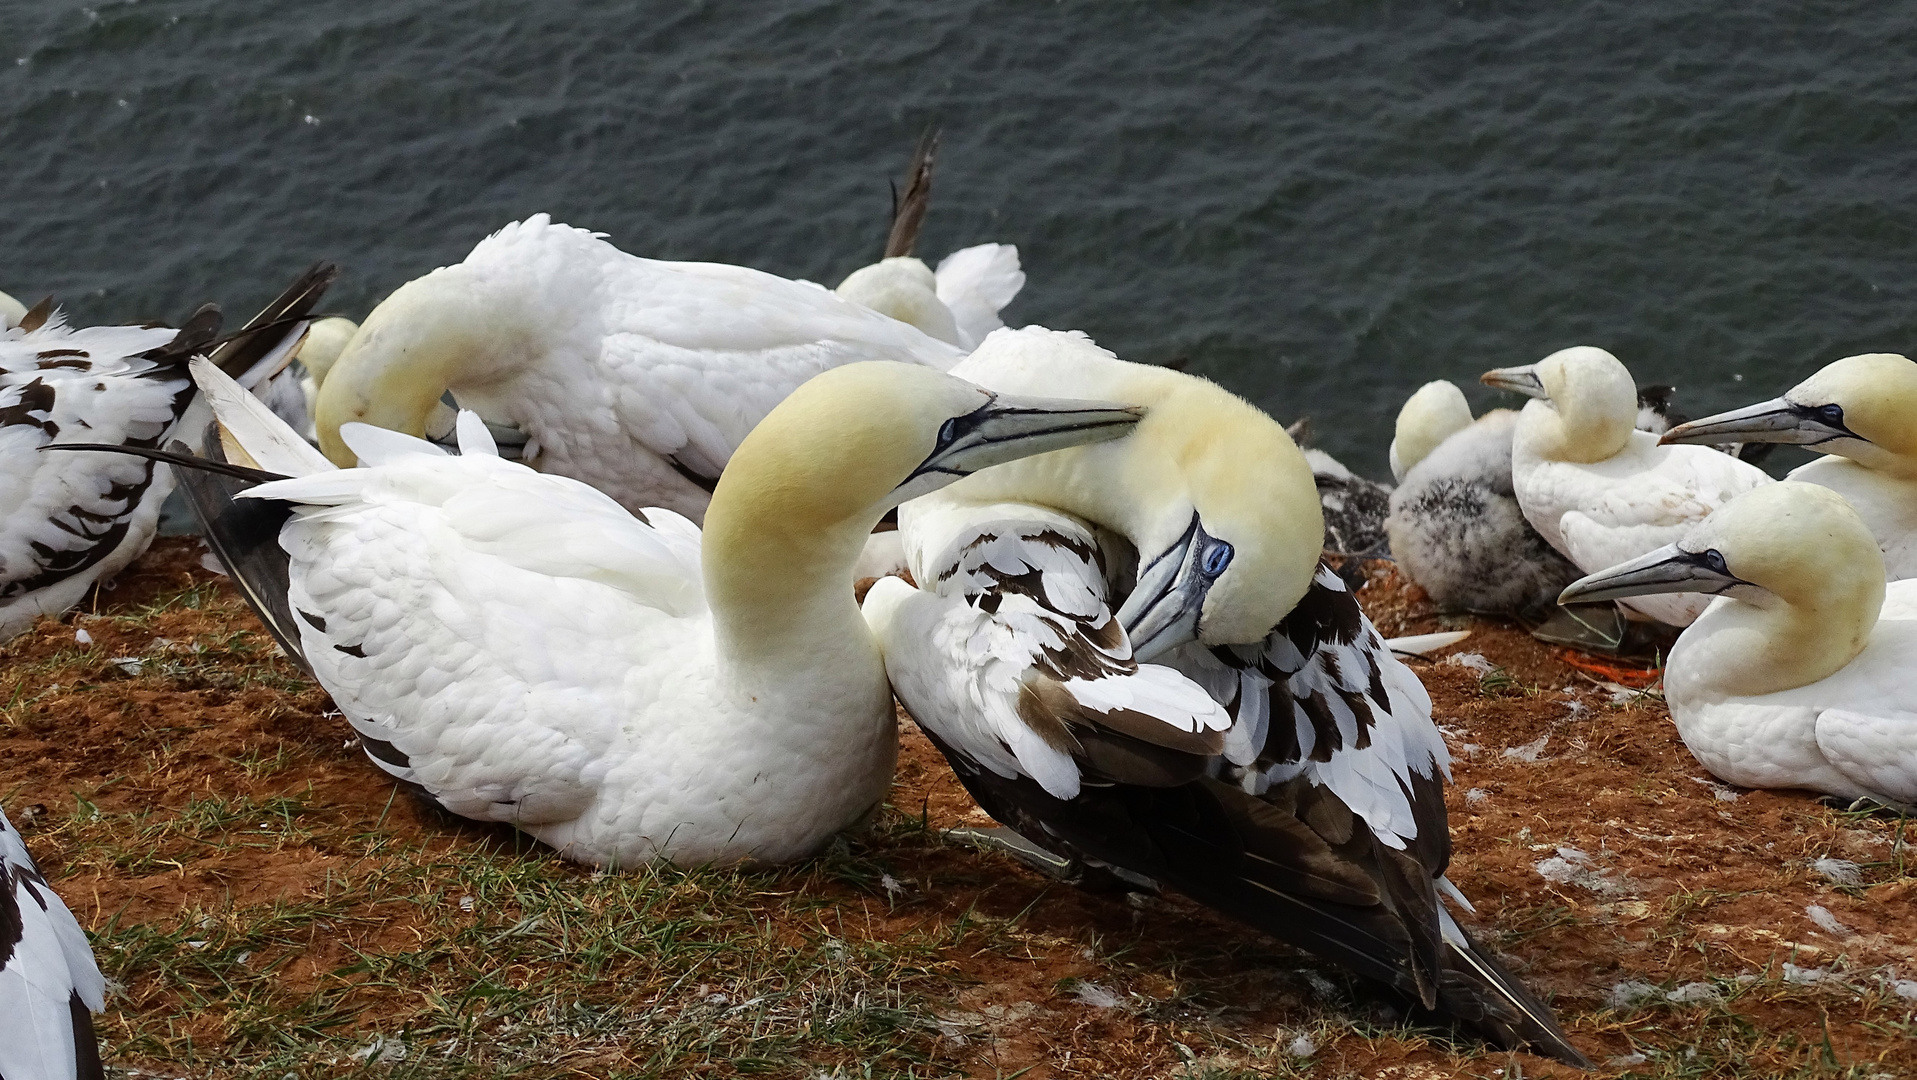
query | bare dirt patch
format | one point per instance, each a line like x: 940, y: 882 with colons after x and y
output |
x: 266, y: 905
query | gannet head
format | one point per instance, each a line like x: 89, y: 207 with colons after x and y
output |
x: 1585, y: 407
x: 429, y: 333
x: 905, y: 289
x: 11, y: 312
x: 1860, y: 407
x: 1229, y: 529
x: 324, y: 341
x: 1787, y: 544
x: 1430, y: 416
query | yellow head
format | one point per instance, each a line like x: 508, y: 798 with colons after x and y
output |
x: 432, y: 334
x: 905, y: 289
x: 1429, y: 417
x: 1216, y: 497
x: 1586, y: 405
x: 1795, y: 552
x: 324, y: 342
x: 1860, y: 407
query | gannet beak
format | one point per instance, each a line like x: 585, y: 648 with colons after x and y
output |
x: 1163, y: 610
x: 1522, y: 379
x: 1668, y: 569
x: 1778, y: 420
x: 1009, y: 427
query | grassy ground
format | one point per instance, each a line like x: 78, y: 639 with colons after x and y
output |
x: 266, y: 906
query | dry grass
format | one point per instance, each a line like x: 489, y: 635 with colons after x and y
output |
x: 265, y: 905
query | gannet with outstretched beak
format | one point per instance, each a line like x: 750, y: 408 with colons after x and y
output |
x: 1597, y: 489
x: 636, y: 376
x: 1236, y: 730
x: 1862, y: 412
x: 1803, y: 673
x: 521, y: 649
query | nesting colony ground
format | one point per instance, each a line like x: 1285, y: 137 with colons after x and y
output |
x: 265, y: 906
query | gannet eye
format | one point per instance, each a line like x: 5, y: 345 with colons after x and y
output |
x: 1216, y: 560
x: 948, y: 431
x: 1714, y: 562
x: 1832, y: 414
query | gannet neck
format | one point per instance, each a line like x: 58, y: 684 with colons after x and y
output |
x: 905, y: 289
x: 1818, y: 588
x: 1200, y: 452
x: 437, y: 332
x: 1433, y: 414
x: 1877, y: 393
x: 1588, y: 412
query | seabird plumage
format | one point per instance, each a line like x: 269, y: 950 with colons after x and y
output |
x: 49, y: 983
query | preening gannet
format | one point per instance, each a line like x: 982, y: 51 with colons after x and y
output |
x: 1273, y: 761
x: 49, y: 983
x: 636, y: 376
x: 521, y: 649
x: 1597, y: 489
x: 1803, y: 673
x: 1862, y: 411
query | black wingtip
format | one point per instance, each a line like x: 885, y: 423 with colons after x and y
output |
x: 86, y: 1042
x: 37, y: 315
x: 1478, y: 992
x: 180, y: 458
x: 264, y: 331
x: 908, y: 212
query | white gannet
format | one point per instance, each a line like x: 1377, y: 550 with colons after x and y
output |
x: 1862, y: 411
x: 1803, y: 673
x: 636, y: 376
x: 1597, y: 489
x: 49, y: 983
x: 519, y: 648
x: 1275, y: 761
x: 70, y: 520
x: 1432, y: 414
x: 11, y: 312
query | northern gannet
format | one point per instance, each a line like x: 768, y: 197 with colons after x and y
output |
x: 1273, y: 761
x: 1433, y: 413
x: 636, y: 376
x: 519, y: 648
x: 1597, y: 489
x: 1803, y: 673
x: 1862, y: 411
x: 49, y: 983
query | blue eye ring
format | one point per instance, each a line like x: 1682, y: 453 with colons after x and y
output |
x: 948, y: 431
x: 1216, y: 559
x: 1832, y: 414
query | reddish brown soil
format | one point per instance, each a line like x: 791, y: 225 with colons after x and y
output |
x: 1682, y: 880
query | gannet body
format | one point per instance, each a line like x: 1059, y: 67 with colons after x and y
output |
x: 636, y: 376
x: 957, y: 304
x: 49, y: 983
x: 1457, y: 530
x: 70, y: 520
x: 1236, y: 730
x: 519, y: 648
x: 1862, y: 411
x: 1803, y: 672
x: 1597, y: 489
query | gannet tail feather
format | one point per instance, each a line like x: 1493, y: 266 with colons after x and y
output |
x: 908, y: 211
x: 1478, y: 991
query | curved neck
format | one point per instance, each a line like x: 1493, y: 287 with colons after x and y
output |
x: 1766, y: 644
x: 781, y: 592
x: 1548, y: 433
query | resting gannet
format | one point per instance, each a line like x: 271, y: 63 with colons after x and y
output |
x: 1597, y: 489
x: 1862, y: 411
x: 49, y: 983
x: 519, y: 648
x: 636, y: 376
x: 1803, y: 673
x: 1272, y: 760
x: 1428, y: 417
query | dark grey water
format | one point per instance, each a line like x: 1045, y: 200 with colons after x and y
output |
x: 1320, y: 204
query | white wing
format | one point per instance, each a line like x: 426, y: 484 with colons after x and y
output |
x: 48, y: 979
x: 1869, y: 732
x: 482, y: 625
x: 679, y: 359
x: 1010, y: 656
x: 976, y: 283
x: 67, y: 519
